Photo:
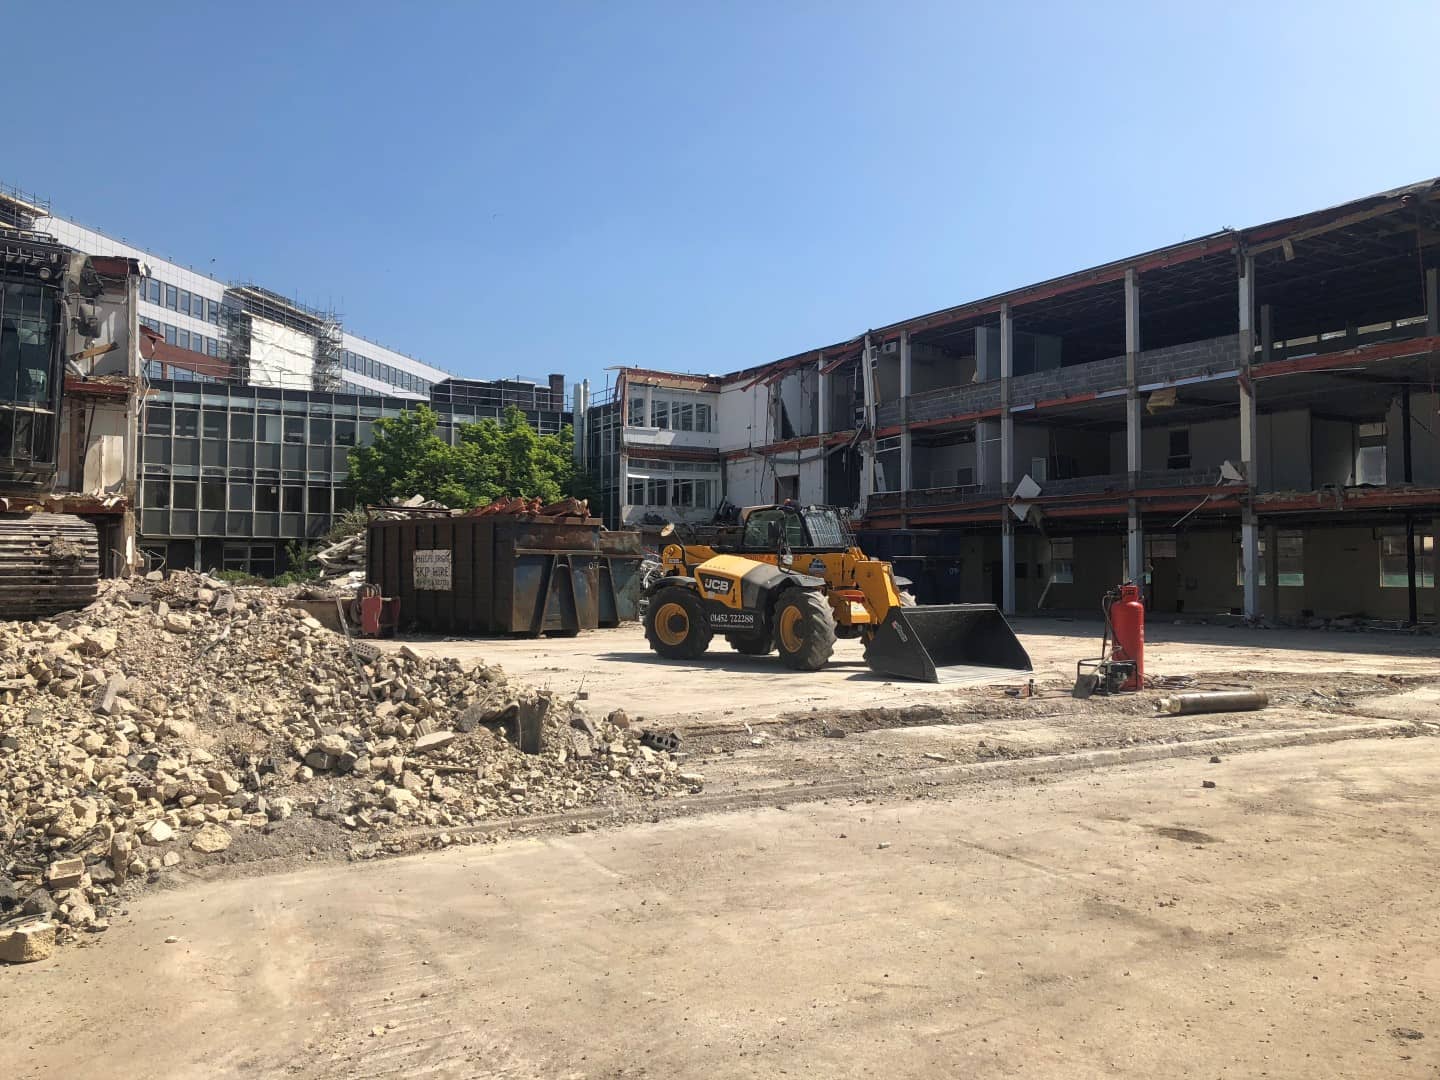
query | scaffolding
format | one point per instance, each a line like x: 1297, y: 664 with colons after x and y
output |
x: 20, y: 209
x: 246, y: 300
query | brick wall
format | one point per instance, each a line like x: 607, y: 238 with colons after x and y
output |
x: 1192, y: 358
x: 1065, y: 381
x: 953, y: 401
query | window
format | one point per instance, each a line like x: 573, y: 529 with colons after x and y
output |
x: 344, y: 432
x: 212, y: 312
x: 212, y: 495
x: 157, y: 494
x: 660, y: 414
x: 171, y: 296
x: 157, y: 420
x: 184, y: 305
x: 1394, y: 569
x: 267, y: 497
x: 1062, y: 561
x: 657, y: 492
x: 240, y: 496
x: 1290, y: 548
x: 1369, y: 454
x: 1161, y: 546
x: 153, y: 291
x: 635, y: 417
x: 294, y: 500
x: 185, y: 494
x: 182, y: 338
x: 212, y: 347
x: 169, y: 334
x: 213, y: 424
x: 684, y: 416
x: 295, y: 430
x: 197, y: 305
x: 187, y: 422
x: 636, y: 493
x: 242, y: 426
x: 702, y: 417
x: 1179, y: 457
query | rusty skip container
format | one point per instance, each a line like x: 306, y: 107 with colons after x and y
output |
x: 504, y: 575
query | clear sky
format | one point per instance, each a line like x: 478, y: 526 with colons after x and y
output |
x: 551, y: 186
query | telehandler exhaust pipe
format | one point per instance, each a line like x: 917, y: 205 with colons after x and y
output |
x: 951, y: 643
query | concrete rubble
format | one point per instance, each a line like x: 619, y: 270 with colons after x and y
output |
x: 180, y: 720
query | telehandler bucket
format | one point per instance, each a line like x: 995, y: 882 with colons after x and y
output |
x: 947, y: 643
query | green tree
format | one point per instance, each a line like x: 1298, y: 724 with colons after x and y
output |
x: 492, y: 459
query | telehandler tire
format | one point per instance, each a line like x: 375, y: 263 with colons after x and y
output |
x: 751, y: 644
x: 675, y: 624
x: 804, y: 629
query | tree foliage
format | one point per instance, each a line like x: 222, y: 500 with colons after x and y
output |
x: 492, y: 459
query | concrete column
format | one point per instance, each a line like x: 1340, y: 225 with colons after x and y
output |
x: 1135, y: 532
x: 1272, y: 571
x: 1007, y: 421
x: 1249, y: 531
x: 867, y: 386
x: 1432, y: 302
x: 649, y: 407
x: 1007, y: 460
x: 906, y: 444
x: 1007, y: 563
x: 822, y: 387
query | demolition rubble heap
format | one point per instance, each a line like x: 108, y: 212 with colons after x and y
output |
x: 170, y: 721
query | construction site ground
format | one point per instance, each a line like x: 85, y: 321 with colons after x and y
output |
x: 872, y: 879
x: 616, y: 668
x: 1119, y: 923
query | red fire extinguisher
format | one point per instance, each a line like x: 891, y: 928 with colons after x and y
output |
x: 1127, y: 621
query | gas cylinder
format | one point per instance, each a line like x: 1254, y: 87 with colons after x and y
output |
x: 1127, y: 620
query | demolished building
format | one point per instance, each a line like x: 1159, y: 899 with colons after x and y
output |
x: 1249, y: 421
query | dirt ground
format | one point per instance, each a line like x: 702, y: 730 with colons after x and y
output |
x: 617, y: 670
x: 1121, y: 923
x: 873, y: 879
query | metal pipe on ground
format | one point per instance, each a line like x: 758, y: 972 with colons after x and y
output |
x: 1212, y: 701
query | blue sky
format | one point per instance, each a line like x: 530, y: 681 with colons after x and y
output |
x: 536, y: 187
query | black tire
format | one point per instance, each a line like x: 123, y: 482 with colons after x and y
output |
x: 847, y: 631
x: 751, y: 644
x: 683, y: 634
x: 804, y: 629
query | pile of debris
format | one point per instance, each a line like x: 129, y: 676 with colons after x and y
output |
x: 346, y: 557
x: 182, y: 719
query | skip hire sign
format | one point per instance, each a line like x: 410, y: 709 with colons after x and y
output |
x: 432, y: 570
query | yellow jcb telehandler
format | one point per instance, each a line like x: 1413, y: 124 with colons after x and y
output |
x: 791, y: 579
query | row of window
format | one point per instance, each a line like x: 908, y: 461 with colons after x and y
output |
x: 657, y: 465
x: 265, y: 497
x: 677, y: 491
x: 155, y: 369
x: 1289, y: 558
x: 176, y: 335
x: 188, y: 422
x: 671, y: 414
x: 375, y: 369
x: 181, y: 300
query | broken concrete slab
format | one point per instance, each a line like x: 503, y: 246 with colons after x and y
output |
x: 436, y: 740
x: 65, y: 873
x: 27, y: 942
x: 211, y: 839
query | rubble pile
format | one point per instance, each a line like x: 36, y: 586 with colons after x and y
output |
x: 346, y: 557
x: 175, y: 718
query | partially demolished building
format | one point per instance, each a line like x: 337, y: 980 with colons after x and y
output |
x: 1249, y: 421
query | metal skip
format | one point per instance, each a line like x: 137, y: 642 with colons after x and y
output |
x: 947, y: 643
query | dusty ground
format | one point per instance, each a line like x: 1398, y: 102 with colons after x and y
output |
x: 1122, y: 923
x: 617, y: 669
